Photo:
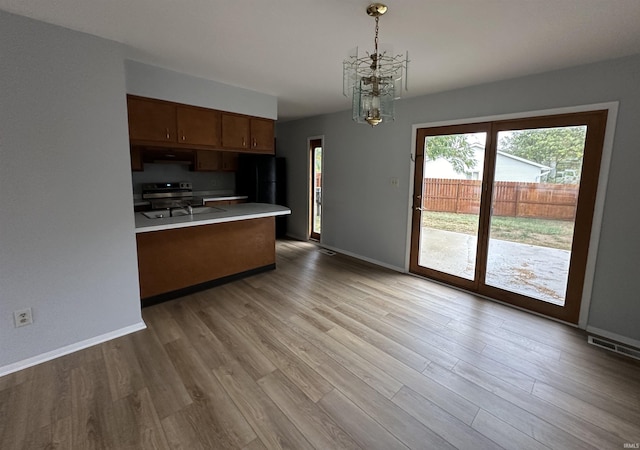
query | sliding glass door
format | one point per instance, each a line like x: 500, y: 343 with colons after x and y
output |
x: 505, y: 208
x: 447, y: 207
x: 533, y: 210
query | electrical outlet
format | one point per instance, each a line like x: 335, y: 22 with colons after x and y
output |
x: 23, y: 317
x: 395, y: 182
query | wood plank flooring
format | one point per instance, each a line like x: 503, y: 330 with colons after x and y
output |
x: 329, y: 352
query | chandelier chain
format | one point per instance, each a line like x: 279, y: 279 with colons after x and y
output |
x: 376, y: 41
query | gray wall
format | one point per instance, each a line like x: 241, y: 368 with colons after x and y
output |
x: 67, y: 246
x: 363, y: 214
x: 67, y: 233
x: 156, y: 82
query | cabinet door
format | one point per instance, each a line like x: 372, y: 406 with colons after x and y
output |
x: 208, y: 161
x: 235, y: 131
x: 229, y: 161
x: 262, y: 135
x: 151, y: 120
x: 136, y: 159
x: 198, y: 126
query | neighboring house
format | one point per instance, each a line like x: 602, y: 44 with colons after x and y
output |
x: 508, y: 168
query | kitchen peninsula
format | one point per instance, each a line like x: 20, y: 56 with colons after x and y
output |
x: 191, y: 252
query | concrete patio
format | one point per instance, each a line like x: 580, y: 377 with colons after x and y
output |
x: 534, y: 271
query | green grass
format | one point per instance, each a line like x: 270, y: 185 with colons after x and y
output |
x: 541, y: 232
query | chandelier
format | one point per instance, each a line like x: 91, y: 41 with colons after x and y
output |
x: 374, y: 81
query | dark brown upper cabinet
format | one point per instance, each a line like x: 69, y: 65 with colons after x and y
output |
x: 198, y: 126
x: 162, y: 124
x: 262, y: 135
x: 151, y: 120
x: 247, y: 134
x: 229, y: 161
x: 208, y: 161
x: 136, y: 159
x: 215, y: 161
x: 235, y: 131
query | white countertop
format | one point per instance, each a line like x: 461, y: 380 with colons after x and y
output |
x: 229, y: 213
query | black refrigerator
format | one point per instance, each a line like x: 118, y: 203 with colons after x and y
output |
x: 262, y: 178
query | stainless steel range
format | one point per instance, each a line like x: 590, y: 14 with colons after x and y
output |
x: 177, y: 194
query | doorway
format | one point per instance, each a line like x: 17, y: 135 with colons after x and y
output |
x: 315, y: 191
x: 505, y: 208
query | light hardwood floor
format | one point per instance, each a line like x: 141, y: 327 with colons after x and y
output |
x: 329, y: 352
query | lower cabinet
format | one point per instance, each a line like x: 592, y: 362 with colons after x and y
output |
x: 172, y: 260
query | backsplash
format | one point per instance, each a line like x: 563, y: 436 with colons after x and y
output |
x: 222, y: 183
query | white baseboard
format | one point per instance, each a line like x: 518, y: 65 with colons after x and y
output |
x: 613, y: 336
x: 345, y: 252
x: 44, y: 357
x: 364, y: 258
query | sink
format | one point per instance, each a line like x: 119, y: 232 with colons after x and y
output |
x: 156, y: 214
x: 163, y: 214
x: 197, y: 210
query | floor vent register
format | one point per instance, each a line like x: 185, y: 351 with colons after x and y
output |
x: 614, y: 347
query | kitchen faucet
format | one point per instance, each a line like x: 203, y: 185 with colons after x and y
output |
x: 187, y: 208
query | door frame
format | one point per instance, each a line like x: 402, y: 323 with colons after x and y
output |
x: 475, y: 127
x: 309, y: 185
x: 598, y: 210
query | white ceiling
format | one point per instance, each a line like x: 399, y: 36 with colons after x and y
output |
x: 294, y: 49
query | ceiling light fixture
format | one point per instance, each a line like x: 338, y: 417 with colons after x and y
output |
x: 374, y: 81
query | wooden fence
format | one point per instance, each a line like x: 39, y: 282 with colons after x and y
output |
x: 513, y: 199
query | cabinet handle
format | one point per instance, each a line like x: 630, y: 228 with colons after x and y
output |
x: 244, y: 142
x: 167, y: 133
x: 183, y: 136
x: 255, y: 143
